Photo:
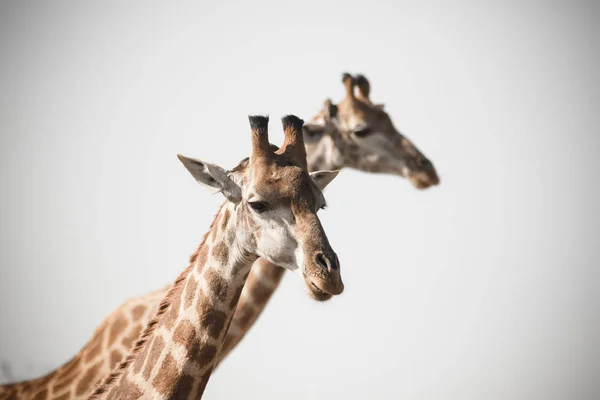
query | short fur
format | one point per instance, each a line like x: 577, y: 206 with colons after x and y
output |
x: 264, y: 277
x: 214, y: 283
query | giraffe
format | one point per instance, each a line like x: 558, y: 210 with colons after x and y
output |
x: 270, y: 212
x: 329, y: 148
x: 359, y: 134
x: 109, y: 344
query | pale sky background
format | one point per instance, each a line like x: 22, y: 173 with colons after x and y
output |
x: 485, y: 287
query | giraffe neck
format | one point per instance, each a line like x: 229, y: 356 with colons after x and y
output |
x: 262, y: 282
x: 181, y: 347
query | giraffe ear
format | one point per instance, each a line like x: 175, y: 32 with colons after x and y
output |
x: 313, y: 132
x: 214, y: 176
x: 331, y: 109
x: 323, y: 178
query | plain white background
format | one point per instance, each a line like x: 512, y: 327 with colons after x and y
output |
x: 485, y: 287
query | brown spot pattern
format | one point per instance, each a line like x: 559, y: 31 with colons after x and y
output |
x: 213, y: 321
x: 13, y: 395
x: 70, y: 369
x: 185, y: 334
x: 41, y: 395
x: 138, y: 312
x: 190, y: 291
x: 225, y: 219
x: 138, y: 364
x: 158, y: 344
x: 183, y: 388
x: 115, y: 357
x: 65, y: 379
x: 206, y: 354
x: 62, y: 397
x: 217, y: 283
x: 93, y: 351
x: 171, y: 316
x: 116, y: 329
x: 89, y: 379
x: 168, y: 371
x: 127, y: 390
x: 60, y: 386
x: 132, y: 336
x: 260, y: 293
x: 221, y: 252
x: 200, y: 258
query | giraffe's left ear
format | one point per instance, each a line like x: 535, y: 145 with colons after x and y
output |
x: 323, y: 178
x: 214, y: 176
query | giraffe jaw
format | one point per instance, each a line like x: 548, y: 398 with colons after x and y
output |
x: 316, y: 293
x: 421, y: 181
x: 422, y: 177
x: 313, y: 290
x: 321, y: 285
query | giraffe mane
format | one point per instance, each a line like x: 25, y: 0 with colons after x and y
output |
x: 118, y: 371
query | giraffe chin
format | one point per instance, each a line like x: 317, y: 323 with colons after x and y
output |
x: 321, y: 277
x: 313, y: 290
x: 422, y: 180
x: 316, y: 293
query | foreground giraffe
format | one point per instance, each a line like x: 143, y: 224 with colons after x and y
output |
x: 354, y: 134
x: 270, y: 212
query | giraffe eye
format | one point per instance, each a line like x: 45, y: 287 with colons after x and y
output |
x: 362, y: 132
x: 424, y: 162
x: 258, y: 206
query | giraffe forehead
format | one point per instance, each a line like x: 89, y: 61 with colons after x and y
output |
x: 286, y: 183
x: 357, y: 109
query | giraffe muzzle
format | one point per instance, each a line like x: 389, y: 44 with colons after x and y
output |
x: 323, y: 277
x: 329, y: 264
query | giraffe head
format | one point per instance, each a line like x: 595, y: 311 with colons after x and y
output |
x: 359, y: 134
x: 275, y: 202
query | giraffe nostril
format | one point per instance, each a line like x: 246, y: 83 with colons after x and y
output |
x: 322, y: 261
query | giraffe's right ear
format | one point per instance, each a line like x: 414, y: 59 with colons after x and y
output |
x: 313, y: 132
x: 315, y: 129
x: 214, y: 176
x: 323, y: 178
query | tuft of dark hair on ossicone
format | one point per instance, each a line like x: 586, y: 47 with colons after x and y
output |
x: 259, y: 122
x: 291, y: 121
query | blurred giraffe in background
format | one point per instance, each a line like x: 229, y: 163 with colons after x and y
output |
x: 359, y: 134
x: 355, y: 133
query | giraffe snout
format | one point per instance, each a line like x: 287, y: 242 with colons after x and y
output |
x: 329, y: 264
x: 326, y: 275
